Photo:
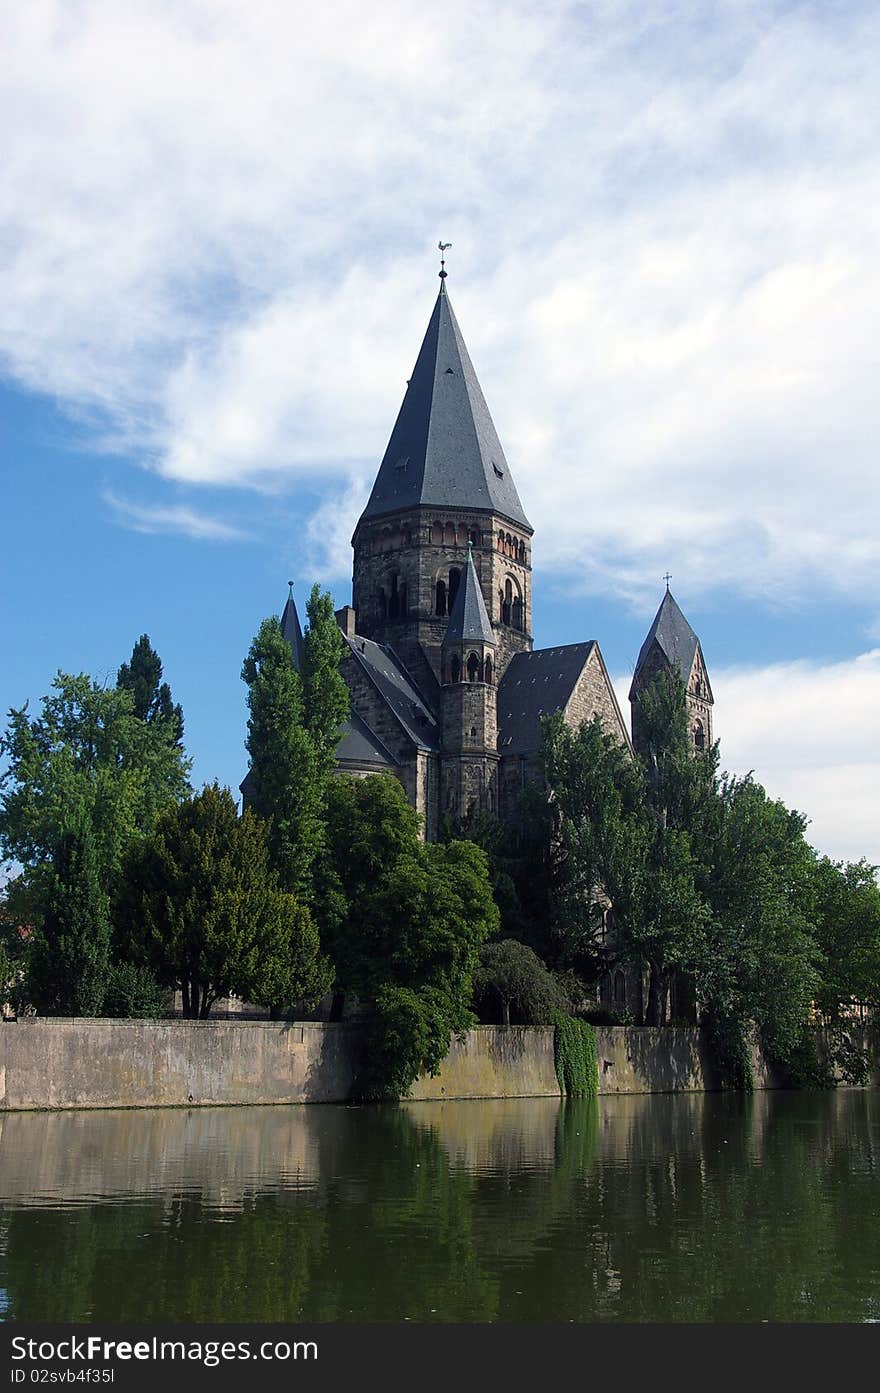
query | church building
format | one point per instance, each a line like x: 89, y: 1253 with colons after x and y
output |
x: 447, y: 688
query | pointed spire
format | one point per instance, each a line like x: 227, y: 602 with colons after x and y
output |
x: 292, y: 629
x: 674, y: 636
x: 469, y: 622
x: 444, y: 450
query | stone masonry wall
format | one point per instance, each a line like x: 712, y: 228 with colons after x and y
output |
x: 63, y: 1063
x: 593, y: 694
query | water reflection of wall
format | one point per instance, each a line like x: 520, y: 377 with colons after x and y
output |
x: 493, y: 1134
x: 223, y: 1153
x: 685, y: 1207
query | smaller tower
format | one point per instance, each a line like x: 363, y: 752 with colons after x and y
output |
x: 292, y: 629
x: 671, y: 643
x: 469, y: 703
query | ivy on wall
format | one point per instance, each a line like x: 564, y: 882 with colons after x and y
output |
x: 575, y: 1053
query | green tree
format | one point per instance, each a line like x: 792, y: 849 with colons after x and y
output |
x: 370, y: 828
x: 86, y: 758
x: 847, y: 927
x: 142, y: 676
x: 403, y: 922
x: 759, y: 966
x: 325, y: 692
x: 427, y: 918
x: 511, y: 975
x: 668, y: 923
x: 68, y: 961
x: 286, y: 778
x: 202, y: 907
x: 599, y: 838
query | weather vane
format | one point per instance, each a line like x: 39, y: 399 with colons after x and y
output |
x: 668, y: 578
x: 444, y: 247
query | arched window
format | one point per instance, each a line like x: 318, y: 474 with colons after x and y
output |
x: 507, y: 602
x: 473, y: 668
x: 475, y: 537
x: 522, y: 553
x: 500, y: 541
x: 440, y: 598
x: 449, y: 534
x: 436, y: 535
x: 699, y: 736
x: 454, y: 578
x: 517, y: 613
x: 455, y: 669
x: 383, y: 605
x: 487, y: 668
x: 393, y: 600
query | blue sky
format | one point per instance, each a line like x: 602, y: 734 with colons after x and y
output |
x: 220, y: 226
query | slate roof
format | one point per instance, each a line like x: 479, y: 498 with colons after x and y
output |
x: 534, y: 685
x: 397, y: 690
x: 469, y: 622
x: 360, y: 745
x: 292, y: 630
x: 675, y: 637
x: 444, y: 450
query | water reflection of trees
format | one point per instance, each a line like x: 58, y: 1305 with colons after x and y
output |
x: 653, y: 1208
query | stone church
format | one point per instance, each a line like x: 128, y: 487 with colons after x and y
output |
x: 447, y: 689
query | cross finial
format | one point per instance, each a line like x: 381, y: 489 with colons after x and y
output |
x: 667, y: 578
x: 444, y: 247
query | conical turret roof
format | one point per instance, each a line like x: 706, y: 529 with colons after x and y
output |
x: 292, y: 630
x: 674, y: 636
x: 444, y: 450
x: 469, y: 621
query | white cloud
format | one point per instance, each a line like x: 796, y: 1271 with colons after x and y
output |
x: 148, y: 517
x: 215, y: 221
x: 809, y: 731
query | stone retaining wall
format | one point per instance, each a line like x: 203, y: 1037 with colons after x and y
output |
x: 64, y: 1063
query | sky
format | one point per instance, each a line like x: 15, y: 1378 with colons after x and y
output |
x: 218, y: 228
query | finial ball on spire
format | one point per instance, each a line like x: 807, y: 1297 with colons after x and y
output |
x: 444, y: 247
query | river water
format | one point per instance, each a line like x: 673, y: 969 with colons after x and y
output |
x: 688, y: 1207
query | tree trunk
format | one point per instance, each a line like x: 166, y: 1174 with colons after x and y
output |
x: 505, y: 1013
x: 337, y: 1006
x: 658, y: 992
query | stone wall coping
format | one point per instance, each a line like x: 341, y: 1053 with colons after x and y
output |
x: 171, y: 1022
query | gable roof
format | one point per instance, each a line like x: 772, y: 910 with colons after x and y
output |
x: 469, y: 621
x: 444, y: 450
x: 534, y: 685
x: 674, y: 636
x: 360, y: 745
x: 397, y: 690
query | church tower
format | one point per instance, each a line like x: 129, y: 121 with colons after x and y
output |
x: 468, y: 703
x: 443, y: 487
x: 671, y: 643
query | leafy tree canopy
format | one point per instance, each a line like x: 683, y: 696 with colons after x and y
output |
x: 86, y: 757
x: 511, y: 975
x: 142, y: 676
x: 203, y: 909
x: 68, y: 959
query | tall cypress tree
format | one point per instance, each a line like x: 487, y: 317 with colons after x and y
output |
x: 69, y: 958
x: 285, y: 777
x: 142, y: 676
x: 325, y: 693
